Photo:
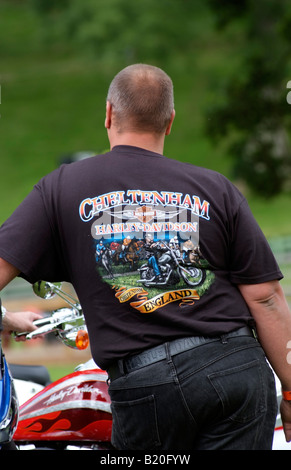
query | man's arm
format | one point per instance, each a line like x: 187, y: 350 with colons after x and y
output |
x: 7, y: 273
x: 269, y: 308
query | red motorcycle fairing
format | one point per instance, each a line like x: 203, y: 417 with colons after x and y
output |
x: 74, y: 408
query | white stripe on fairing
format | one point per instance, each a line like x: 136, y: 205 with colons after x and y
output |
x: 67, y: 383
x: 89, y: 404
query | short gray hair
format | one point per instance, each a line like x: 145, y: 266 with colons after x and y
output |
x: 142, y: 99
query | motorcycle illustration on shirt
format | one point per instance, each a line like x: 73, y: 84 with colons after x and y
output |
x: 167, y: 266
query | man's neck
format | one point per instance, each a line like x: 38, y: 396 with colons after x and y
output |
x: 146, y: 141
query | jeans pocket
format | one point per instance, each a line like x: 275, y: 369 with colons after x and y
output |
x: 135, y: 424
x: 241, y: 391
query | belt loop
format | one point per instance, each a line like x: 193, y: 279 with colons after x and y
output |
x: 121, y: 366
x: 168, y: 352
x: 223, y: 339
x: 171, y: 363
x: 254, y: 332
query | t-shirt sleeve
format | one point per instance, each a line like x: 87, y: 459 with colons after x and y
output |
x: 251, y: 258
x: 28, y: 241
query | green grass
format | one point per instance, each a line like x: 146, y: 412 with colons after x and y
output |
x: 53, y: 103
x: 57, y: 372
x: 273, y: 215
x: 47, y: 112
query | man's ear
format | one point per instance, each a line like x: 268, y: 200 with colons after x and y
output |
x: 168, y: 130
x: 108, y: 115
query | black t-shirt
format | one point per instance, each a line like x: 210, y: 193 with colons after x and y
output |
x: 154, y: 248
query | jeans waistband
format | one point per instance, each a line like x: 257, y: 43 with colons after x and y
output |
x: 159, y: 353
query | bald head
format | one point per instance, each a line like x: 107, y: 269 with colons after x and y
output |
x: 142, y: 99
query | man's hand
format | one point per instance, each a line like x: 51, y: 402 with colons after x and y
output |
x: 19, y: 322
x: 285, y: 409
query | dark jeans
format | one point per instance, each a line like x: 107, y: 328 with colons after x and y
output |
x: 220, y: 395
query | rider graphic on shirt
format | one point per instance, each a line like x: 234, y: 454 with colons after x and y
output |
x: 150, y: 252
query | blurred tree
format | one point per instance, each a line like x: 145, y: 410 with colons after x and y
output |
x: 47, y: 6
x: 251, y: 112
x: 254, y: 111
x: 123, y: 29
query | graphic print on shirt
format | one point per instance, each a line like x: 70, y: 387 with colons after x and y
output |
x: 146, y: 246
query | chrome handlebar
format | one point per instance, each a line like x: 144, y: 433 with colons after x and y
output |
x: 66, y: 323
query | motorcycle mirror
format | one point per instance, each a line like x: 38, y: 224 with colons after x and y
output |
x: 46, y: 290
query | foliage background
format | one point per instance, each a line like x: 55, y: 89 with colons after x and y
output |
x: 58, y: 57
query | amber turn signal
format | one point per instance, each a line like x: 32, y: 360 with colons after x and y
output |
x: 82, y: 339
